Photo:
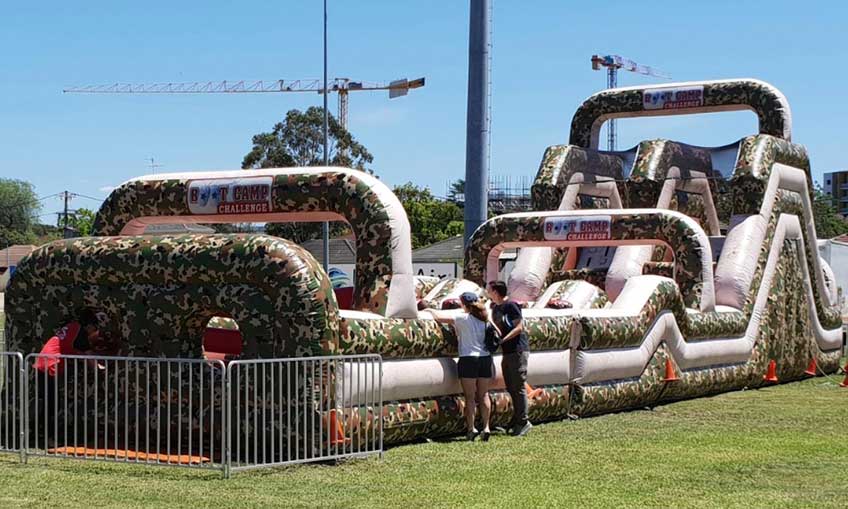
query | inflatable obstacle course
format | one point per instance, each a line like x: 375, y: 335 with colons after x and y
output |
x: 675, y: 308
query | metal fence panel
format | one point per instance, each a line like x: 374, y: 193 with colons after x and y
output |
x: 147, y: 411
x: 11, y: 407
x: 191, y: 413
x: 287, y: 411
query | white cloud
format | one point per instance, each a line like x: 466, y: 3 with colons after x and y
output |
x: 107, y: 189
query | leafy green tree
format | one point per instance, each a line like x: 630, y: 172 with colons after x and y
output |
x: 829, y: 223
x: 430, y: 219
x: 19, y: 208
x: 82, y: 221
x: 299, y: 141
x: 457, y: 189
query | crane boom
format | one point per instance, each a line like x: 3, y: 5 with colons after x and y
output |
x: 341, y: 86
x: 245, y: 86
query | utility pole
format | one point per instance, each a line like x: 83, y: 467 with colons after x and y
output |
x: 153, y: 164
x: 66, y: 196
x: 477, y: 120
x: 326, y: 226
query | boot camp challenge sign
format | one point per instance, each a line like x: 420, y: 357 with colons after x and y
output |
x: 676, y: 98
x: 577, y: 228
x: 246, y: 195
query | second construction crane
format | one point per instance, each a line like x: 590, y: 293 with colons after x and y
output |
x: 613, y: 63
x: 341, y: 86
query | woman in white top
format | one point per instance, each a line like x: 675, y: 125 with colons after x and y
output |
x: 476, y: 368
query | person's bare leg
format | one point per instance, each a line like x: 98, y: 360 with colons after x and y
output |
x: 484, y: 401
x: 469, y: 387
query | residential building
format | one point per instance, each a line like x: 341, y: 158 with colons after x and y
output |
x: 836, y: 185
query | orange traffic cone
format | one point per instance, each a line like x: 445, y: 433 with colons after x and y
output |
x: 771, y: 374
x: 811, y: 369
x: 531, y: 392
x: 336, y: 430
x: 670, y: 374
x: 845, y: 382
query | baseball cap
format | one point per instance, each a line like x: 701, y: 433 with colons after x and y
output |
x: 468, y: 297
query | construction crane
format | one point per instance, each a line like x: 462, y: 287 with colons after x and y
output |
x: 613, y: 63
x: 341, y: 86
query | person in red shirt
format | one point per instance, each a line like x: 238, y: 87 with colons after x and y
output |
x: 87, y: 335
x: 76, y: 338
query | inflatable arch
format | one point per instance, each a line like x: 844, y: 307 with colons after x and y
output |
x: 384, y: 282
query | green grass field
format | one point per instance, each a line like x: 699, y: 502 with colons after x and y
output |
x: 784, y: 446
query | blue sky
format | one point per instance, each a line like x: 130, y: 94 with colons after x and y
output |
x: 541, y: 72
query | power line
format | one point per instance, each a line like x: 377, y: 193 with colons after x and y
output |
x: 88, y: 197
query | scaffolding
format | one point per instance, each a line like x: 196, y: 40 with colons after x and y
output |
x: 506, y: 193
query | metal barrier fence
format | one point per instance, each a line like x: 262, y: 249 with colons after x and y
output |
x: 191, y: 413
x: 332, y: 409
x: 127, y: 409
x: 11, y: 409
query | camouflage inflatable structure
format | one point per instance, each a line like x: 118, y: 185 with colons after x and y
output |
x: 670, y: 292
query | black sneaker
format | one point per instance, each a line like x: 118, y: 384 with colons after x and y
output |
x: 523, y: 430
x: 471, y: 435
x: 485, y: 436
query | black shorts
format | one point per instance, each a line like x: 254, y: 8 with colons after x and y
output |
x: 476, y: 367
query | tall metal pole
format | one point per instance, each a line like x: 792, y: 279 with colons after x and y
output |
x: 477, y: 125
x: 612, y: 82
x: 326, y: 225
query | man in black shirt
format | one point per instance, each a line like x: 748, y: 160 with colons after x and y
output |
x: 516, y: 351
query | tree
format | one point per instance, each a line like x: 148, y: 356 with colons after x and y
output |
x: 19, y: 208
x: 299, y: 141
x: 430, y: 219
x: 82, y: 220
x: 829, y: 223
x: 457, y: 190
x: 45, y: 233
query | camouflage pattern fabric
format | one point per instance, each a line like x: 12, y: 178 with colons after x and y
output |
x: 641, y: 189
x: 764, y: 99
x: 650, y: 168
x: 560, y: 163
x: 161, y: 291
x: 341, y: 192
x: 665, y: 269
x: 757, y: 155
x: 654, y: 225
x: 447, y: 289
x: 423, y: 285
x: 596, y: 276
x: 566, y: 291
x: 410, y: 339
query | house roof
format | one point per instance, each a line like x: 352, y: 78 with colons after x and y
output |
x: 10, y: 256
x: 341, y: 250
x: 448, y: 250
